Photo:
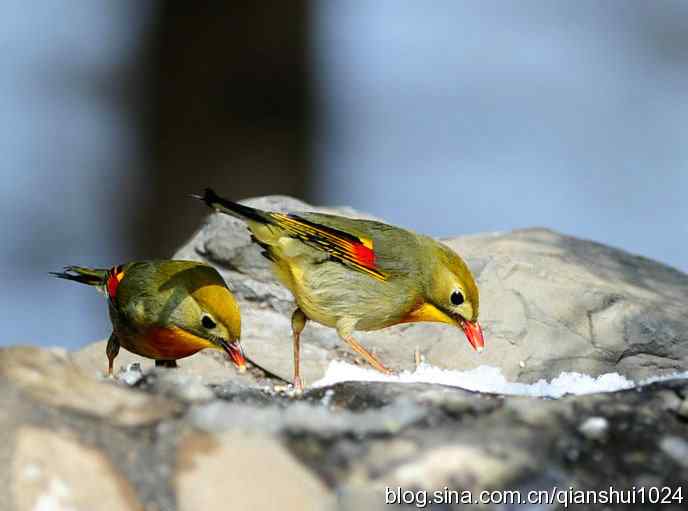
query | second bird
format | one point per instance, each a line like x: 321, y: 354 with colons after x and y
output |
x: 166, y: 310
x: 354, y: 274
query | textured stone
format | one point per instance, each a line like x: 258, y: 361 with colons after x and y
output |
x: 304, y: 418
x: 549, y: 303
x: 52, y: 471
x: 683, y: 409
x: 334, y: 447
x: 676, y: 448
x: 247, y: 471
x: 460, y: 466
x: 53, y: 380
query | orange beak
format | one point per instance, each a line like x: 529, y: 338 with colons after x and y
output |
x: 474, y: 334
x: 236, y: 353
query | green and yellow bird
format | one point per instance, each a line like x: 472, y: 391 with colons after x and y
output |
x: 353, y: 274
x: 166, y: 310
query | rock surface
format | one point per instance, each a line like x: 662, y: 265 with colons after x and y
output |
x: 346, y: 447
x: 225, y: 467
x: 549, y: 303
x: 49, y: 472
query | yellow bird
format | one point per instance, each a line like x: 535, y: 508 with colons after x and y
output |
x: 166, y: 310
x: 353, y: 274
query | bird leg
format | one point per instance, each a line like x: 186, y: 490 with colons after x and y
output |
x: 166, y: 363
x: 298, y: 323
x: 111, y: 351
x: 344, y: 329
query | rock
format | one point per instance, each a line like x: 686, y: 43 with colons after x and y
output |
x: 683, y: 409
x: 461, y: 466
x: 581, y: 306
x: 549, y: 303
x: 339, y: 447
x: 54, y: 380
x: 676, y: 448
x: 672, y: 401
x: 52, y: 471
x: 304, y: 418
x: 243, y: 470
x: 187, y: 388
x: 518, y: 442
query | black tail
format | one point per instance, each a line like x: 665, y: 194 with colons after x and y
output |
x: 88, y: 276
x: 217, y: 203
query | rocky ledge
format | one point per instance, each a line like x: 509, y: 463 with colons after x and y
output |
x: 168, y: 440
x: 206, y: 437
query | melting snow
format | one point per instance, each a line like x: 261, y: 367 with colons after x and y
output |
x: 58, y: 492
x: 489, y: 379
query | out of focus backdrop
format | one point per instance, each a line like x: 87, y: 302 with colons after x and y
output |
x: 447, y: 117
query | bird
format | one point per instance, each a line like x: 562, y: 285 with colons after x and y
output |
x: 360, y: 275
x: 166, y: 309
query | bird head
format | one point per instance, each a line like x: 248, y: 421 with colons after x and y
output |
x: 451, y: 294
x: 201, y: 305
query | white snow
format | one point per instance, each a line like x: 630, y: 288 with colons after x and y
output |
x: 489, y: 379
x: 54, y: 500
x: 594, y: 428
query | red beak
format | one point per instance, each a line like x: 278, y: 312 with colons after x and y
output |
x: 236, y: 354
x: 474, y: 334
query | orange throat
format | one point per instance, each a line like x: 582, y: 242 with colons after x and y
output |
x: 168, y: 343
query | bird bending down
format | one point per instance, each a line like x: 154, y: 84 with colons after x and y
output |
x: 166, y: 310
x: 352, y: 274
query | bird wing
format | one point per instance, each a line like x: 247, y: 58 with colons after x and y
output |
x: 353, y: 250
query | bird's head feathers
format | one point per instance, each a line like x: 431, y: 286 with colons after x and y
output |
x: 452, y: 286
x: 195, y: 298
x: 450, y: 294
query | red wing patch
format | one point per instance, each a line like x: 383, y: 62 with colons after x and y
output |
x: 115, y: 276
x: 365, y: 256
x: 342, y: 246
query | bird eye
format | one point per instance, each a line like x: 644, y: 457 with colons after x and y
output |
x: 456, y: 298
x: 208, y: 322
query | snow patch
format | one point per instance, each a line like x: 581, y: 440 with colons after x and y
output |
x: 54, y: 500
x: 489, y: 379
x: 594, y: 428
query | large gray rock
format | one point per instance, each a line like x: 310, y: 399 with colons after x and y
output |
x: 549, y: 303
x: 48, y: 472
x: 336, y: 448
x: 220, y: 471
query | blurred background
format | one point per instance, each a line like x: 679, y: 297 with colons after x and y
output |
x: 450, y: 117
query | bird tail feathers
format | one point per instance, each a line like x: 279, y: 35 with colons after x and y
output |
x: 88, y: 276
x: 234, y: 209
